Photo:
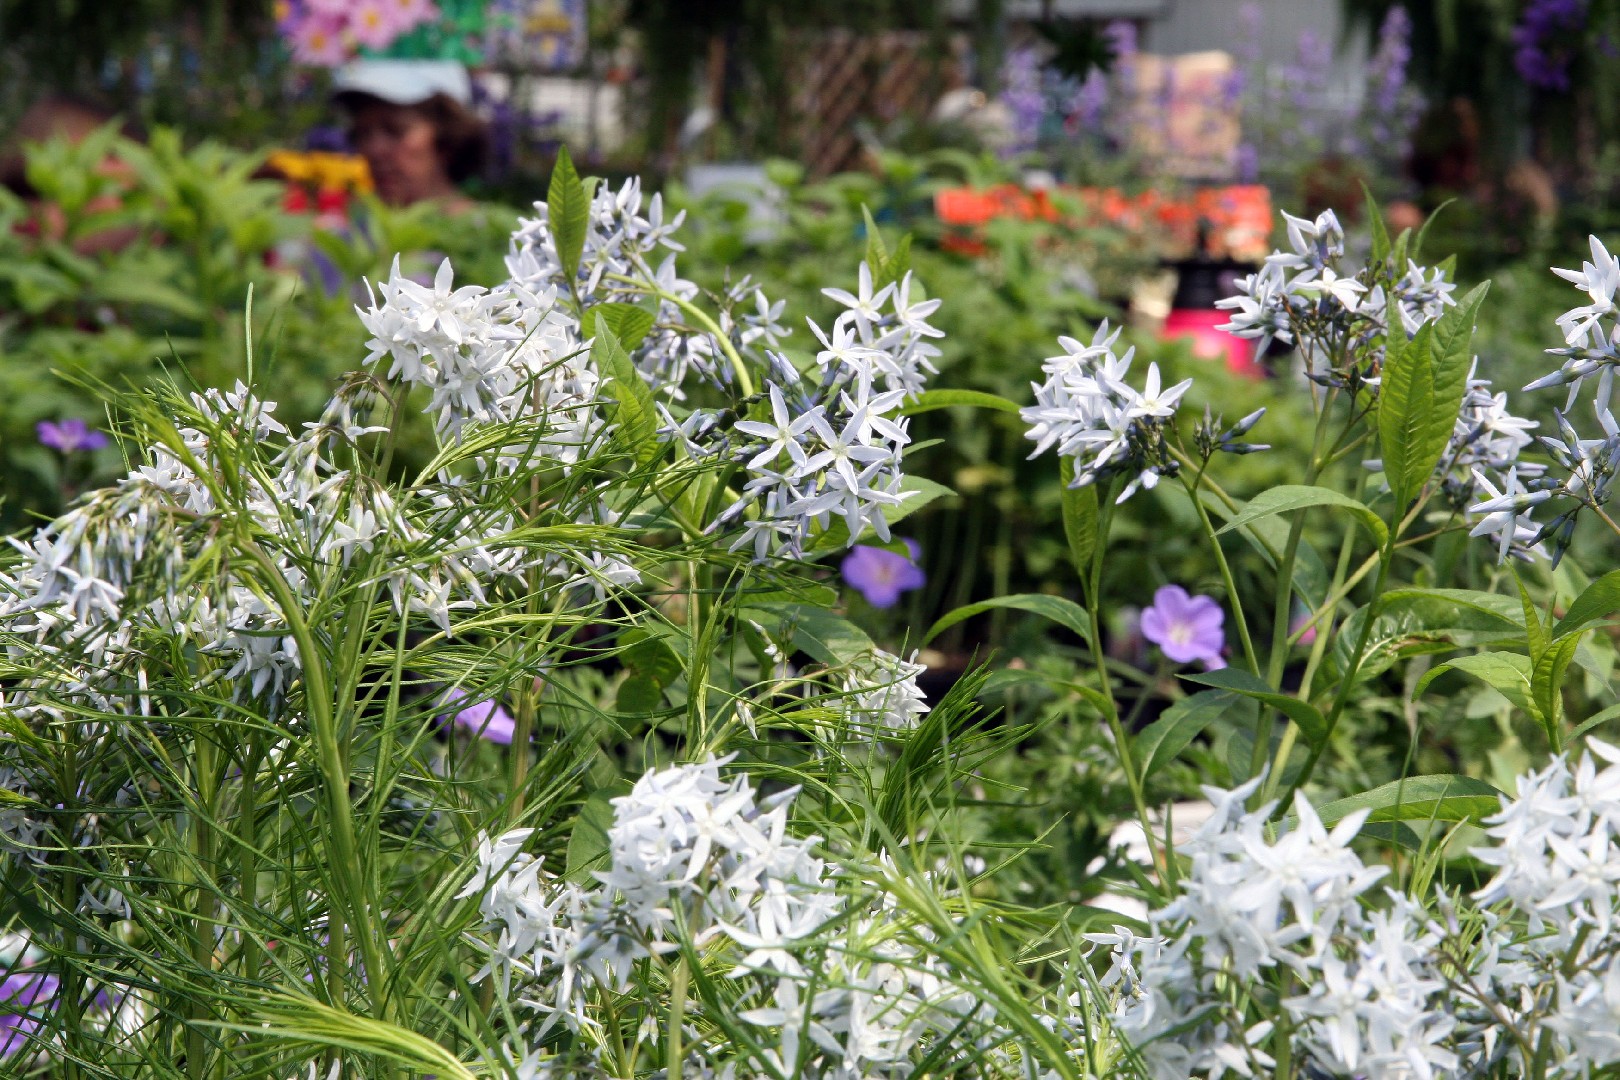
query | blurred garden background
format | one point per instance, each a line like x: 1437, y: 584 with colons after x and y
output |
x: 1054, y: 162
x: 197, y: 194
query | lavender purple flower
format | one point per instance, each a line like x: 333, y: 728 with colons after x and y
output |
x: 881, y: 575
x: 1186, y: 627
x: 487, y: 719
x: 69, y: 436
x: 22, y: 993
x: 1538, y: 61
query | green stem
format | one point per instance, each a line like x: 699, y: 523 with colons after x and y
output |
x: 1232, y: 594
x: 677, y: 1017
x: 1349, y: 679
x: 745, y: 382
x: 346, y: 867
x: 1122, y: 744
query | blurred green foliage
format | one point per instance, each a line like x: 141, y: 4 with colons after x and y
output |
x: 135, y: 262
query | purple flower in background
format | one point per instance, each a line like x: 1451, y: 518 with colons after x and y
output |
x: 1542, y: 20
x: 1121, y: 36
x: 880, y: 575
x: 1186, y: 627
x: 486, y: 719
x: 1087, y: 105
x: 1247, y: 162
x: 70, y: 435
x: 1387, y: 68
x: 21, y: 993
x: 1024, y: 97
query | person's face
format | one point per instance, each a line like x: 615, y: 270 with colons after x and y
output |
x: 398, y: 145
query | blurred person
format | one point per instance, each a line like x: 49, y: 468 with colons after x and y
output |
x: 75, y: 121
x: 412, y: 122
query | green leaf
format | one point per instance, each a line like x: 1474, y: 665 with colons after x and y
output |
x: 1064, y: 612
x: 1547, y: 682
x: 652, y: 665
x: 1421, y: 391
x: 877, y: 253
x: 1594, y: 721
x: 1312, y: 724
x: 1375, y: 218
x: 1080, y: 509
x: 828, y: 638
x: 1420, y: 798
x: 1411, y: 622
x: 1286, y: 497
x: 1423, y: 231
x: 1162, y: 741
x: 636, y: 415
x: 628, y: 322
x: 1598, y: 601
x: 588, y: 843
x: 900, y: 261
x: 1509, y: 674
x: 568, y: 205
x: 929, y: 400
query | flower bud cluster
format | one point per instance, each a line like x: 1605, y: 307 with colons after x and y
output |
x: 1087, y: 410
x: 1335, y: 316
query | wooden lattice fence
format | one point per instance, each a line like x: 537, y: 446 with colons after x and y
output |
x: 846, y: 77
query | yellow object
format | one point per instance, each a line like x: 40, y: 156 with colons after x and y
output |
x: 322, y: 169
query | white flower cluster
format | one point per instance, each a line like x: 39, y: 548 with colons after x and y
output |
x: 1370, y: 982
x: 833, y: 990
x: 833, y: 449
x: 883, y: 695
x: 1547, y: 968
x: 489, y: 356
x: 1091, y: 414
x: 1588, y: 466
x: 1305, y: 297
x: 1252, y: 908
x: 629, y: 258
x: 1337, y: 318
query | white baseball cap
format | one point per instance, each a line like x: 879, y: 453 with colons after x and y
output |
x: 403, y: 82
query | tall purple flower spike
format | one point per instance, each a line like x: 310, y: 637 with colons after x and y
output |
x: 1186, y: 628
x: 70, y: 435
x: 881, y: 575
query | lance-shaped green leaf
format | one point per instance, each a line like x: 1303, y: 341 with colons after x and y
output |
x: 929, y: 400
x: 1162, y: 741
x: 828, y: 638
x: 1597, y: 602
x: 1080, y: 519
x: 1287, y: 497
x: 1421, y: 391
x: 1419, y: 798
x: 628, y: 322
x: 1509, y: 674
x: 1375, y: 218
x: 1312, y: 724
x: 636, y: 415
x: 568, y: 208
x: 1064, y: 612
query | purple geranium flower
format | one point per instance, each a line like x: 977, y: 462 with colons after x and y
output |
x: 22, y: 991
x: 487, y: 719
x: 1186, y: 627
x: 70, y: 435
x: 881, y: 575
